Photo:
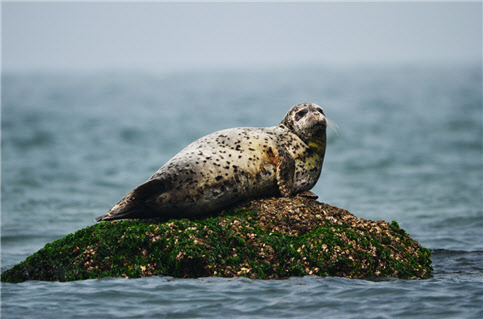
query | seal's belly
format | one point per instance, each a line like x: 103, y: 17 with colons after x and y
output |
x: 218, y: 170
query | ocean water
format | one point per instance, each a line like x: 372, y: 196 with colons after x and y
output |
x: 409, y: 148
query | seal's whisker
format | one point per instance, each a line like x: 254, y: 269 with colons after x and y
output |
x: 333, y: 125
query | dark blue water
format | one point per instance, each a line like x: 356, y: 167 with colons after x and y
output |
x: 408, y: 148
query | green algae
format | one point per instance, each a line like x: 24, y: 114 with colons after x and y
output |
x: 264, y: 239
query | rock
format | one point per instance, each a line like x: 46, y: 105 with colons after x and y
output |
x: 265, y: 239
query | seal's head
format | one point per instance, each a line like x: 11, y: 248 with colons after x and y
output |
x: 306, y: 120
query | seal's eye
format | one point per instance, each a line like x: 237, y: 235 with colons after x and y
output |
x: 300, y: 114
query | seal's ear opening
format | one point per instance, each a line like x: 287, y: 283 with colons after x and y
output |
x: 288, y: 120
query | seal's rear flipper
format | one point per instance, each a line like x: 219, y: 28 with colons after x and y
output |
x: 119, y: 214
x: 133, y: 205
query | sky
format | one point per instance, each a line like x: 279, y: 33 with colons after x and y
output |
x: 171, y: 36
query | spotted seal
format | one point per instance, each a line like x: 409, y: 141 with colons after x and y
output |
x: 232, y: 165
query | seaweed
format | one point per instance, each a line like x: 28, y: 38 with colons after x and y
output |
x: 265, y: 239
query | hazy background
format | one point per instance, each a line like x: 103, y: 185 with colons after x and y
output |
x: 171, y: 36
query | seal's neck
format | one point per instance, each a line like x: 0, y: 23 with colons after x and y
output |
x: 317, y: 143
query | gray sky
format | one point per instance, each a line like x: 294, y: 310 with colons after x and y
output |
x: 167, y: 36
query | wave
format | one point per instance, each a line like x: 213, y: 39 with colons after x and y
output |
x: 446, y: 261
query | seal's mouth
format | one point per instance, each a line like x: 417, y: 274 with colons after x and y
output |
x: 323, y: 123
x: 315, y: 127
x: 317, y: 121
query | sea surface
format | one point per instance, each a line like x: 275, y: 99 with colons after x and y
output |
x: 409, y: 148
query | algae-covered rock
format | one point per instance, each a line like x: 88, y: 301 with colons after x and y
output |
x: 267, y: 238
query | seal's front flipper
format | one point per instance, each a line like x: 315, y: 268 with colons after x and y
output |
x: 285, y: 173
x: 133, y: 205
x: 308, y: 194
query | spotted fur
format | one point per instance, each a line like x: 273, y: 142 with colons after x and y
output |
x: 232, y: 165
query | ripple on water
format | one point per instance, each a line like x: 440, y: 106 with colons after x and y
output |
x: 165, y: 297
x: 74, y: 145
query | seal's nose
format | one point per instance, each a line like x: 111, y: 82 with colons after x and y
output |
x: 321, y: 118
x: 317, y: 111
x: 318, y: 115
